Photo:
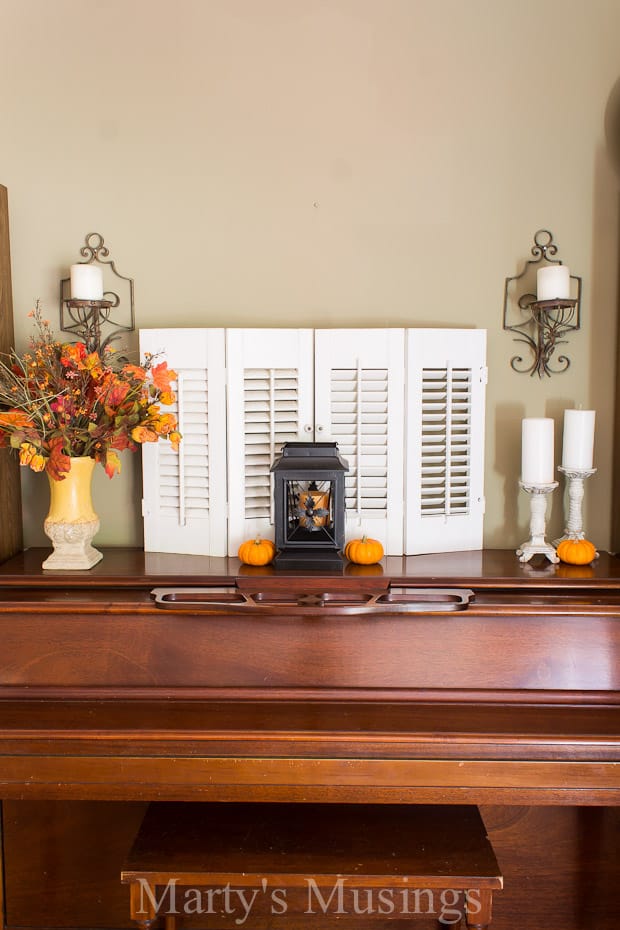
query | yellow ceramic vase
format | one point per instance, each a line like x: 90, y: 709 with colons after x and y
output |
x: 71, y: 521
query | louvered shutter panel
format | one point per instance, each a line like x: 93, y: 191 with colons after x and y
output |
x: 446, y: 378
x: 359, y: 402
x: 270, y: 402
x: 184, y: 493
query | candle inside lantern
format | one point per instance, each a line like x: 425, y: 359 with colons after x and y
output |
x: 537, y: 451
x: 553, y: 282
x: 578, y: 444
x: 86, y: 282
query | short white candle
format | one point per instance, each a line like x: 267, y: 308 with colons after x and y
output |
x: 553, y: 282
x: 537, y: 451
x: 86, y: 282
x: 578, y: 445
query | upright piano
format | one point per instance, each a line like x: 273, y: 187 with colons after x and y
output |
x: 453, y: 678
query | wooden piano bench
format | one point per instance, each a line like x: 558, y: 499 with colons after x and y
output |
x: 266, y: 865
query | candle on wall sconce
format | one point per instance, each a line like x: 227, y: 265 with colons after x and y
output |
x: 542, y: 320
x: 553, y: 283
x: 86, y: 282
x: 85, y: 308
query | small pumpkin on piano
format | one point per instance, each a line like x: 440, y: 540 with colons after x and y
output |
x: 364, y: 551
x: 256, y: 552
x: 576, y: 551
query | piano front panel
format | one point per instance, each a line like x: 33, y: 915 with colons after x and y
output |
x: 82, y: 652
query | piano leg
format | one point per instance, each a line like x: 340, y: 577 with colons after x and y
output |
x: 478, y: 914
x: 141, y: 904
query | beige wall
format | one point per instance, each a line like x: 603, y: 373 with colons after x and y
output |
x: 322, y: 163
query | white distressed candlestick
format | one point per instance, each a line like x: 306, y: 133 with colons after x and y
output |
x: 574, y: 523
x: 537, y: 544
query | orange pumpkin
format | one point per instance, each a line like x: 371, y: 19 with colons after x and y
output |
x: 364, y: 551
x: 576, y: 551
x: 256, y: 552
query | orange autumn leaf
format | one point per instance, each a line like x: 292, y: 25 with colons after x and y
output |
x: 58, y: 464
x: 15, y: 419
x: 122, y: 441
x: 73, y: 354
x: 144, y: 434
x: 93, y: 365
x: 165, y: 424
x: 135, y: 371
x: 115, y: 396
x: 162, y: 376
x: 112, y: 463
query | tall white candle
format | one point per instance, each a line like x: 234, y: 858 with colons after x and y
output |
x: 553, y: 282
x: 537, y: 451
x: 86, y: 282
x: 578, y: 444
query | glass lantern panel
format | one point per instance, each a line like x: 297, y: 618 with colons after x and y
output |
x: 310, y: 512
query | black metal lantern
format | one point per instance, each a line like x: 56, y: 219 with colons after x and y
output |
x: 309, y: 505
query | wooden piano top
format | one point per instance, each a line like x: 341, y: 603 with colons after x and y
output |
x: 495, y: 569
x: 514, y: 699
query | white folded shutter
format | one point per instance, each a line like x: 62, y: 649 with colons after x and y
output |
x: 359, y: 403
x: 270, y: 402
x: 184, y: 497
x: 446, y: 378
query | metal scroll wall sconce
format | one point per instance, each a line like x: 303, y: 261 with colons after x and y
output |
x: 86, y: 316
x: 541, y: 321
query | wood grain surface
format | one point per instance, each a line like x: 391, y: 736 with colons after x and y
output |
x: 370, y: 844
x: 560, y: 867
x: 494, y: 569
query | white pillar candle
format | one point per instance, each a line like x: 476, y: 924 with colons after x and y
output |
x: 86, y: 282
x: 537, y: 451
x: 578, y: 445
x: 553, y: 282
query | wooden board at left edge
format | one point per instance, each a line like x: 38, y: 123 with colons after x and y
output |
x: 11, y: 539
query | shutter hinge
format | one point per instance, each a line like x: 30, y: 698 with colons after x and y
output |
x: 483, y: 505
x: 145, y: 510
x: 484, y: 375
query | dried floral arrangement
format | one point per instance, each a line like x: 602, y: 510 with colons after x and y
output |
x: 58, y: 401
